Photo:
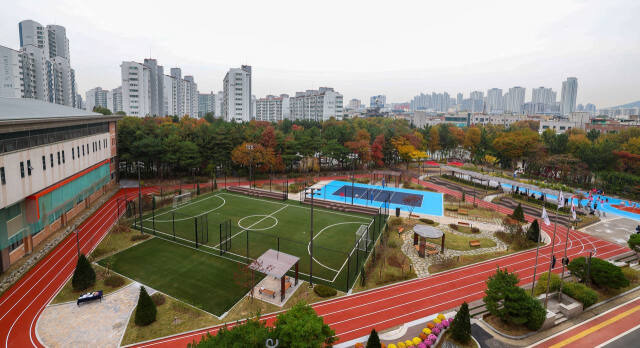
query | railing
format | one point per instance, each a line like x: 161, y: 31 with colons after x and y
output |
x: 29, y: 141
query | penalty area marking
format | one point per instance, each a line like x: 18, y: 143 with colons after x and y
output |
x: 190, y: 217
x: 320, y: 232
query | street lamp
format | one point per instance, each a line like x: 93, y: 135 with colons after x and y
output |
x: 139, y: 164
x: 352, y: 157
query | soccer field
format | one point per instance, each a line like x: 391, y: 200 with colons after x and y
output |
x: 261, y: 224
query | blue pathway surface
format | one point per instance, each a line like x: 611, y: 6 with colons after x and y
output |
x: 423, y: 202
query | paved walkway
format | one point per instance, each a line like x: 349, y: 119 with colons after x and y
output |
x: 95, y: 324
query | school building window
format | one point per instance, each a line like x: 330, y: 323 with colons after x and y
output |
x: 3, y: 179
x: 51, y: 158
x: 29, y: 167
x: 44, y: 163
x: 22, y: 169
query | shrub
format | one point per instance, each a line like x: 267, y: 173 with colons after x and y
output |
x: 137, y: 237
x: 114, y: 281
x: 84, y: 276
x: 533, y: 233
x: 631, y: 274
x: 580, y: 292
x: 300, y: 324
x: 541, y: 285
x: 374, y: 340
x: 602, y: 273
x: 518, y: 214
x: 427, y: 221
x: 252, y: 334
x: 158, y: 299
x: 453, y: 226
x: 145, y: 310
x: 634, y: 242
x: 324, y: 291
x: 454, y: 209
x: 461, y: 326
x: 475, y: 230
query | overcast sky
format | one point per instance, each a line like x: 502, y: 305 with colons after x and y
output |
x: 361, y: 48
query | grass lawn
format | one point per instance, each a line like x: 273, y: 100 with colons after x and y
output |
x: 466, y: 260
x: 67, y: 293
x: 458, y: 242
x: 120, y: 237
x: 200, y: 279
x: 173, y: 317
x: 477, y: 212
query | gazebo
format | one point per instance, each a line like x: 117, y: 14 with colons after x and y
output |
x: 421, y: 233
x: 276, y: 264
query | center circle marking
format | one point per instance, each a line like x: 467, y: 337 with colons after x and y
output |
x: 257, y: 229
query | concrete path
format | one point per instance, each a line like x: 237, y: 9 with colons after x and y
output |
x: 94, y: 324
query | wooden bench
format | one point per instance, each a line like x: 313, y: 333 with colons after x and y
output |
x: 287, y: 285
x: 417, y: 247
x: 463, y: 212
x: 400, y: 230
x: 474, y: 243
x: 431, y: 246
x: 268, y: 292
x: 462, y: 223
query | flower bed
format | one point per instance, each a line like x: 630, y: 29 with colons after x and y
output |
x: 429, y: 335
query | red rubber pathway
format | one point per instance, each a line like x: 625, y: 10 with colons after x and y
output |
x: 350, y: 316
x: 598, y: 330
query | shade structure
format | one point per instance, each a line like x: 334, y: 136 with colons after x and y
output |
x: 274, y: 263
x: 427, y: 231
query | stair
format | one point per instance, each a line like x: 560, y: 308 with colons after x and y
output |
x: 560, y: 319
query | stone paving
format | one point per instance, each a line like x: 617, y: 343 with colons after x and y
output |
x: 94, y: 324
x: 421, y: 265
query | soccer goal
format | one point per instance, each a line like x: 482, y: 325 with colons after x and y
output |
x: 362, y: 237
x: 179, y: 200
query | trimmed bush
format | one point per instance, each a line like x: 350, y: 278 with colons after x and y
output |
x: 631, y: 274
x: 374, y: 340
x: 602, y: 273
x: 518, y: 214
x: 533, y: 233
x: 158, y: 299
x: 427, y: 221
x: 395, y: 221
x: 634, y: 242
x: 137, y: 237
x: 581, y: 293
x: 454, y: 209
x: 541, y: 285
x: 324, y: 291
x: 461, y: 326
x: 475, y: 230
x: 84, y: 276
x: 145, y: 310
x: 114, y: 281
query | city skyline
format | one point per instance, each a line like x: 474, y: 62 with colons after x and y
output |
x: 552, y: 48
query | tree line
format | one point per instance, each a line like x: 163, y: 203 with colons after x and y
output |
x: 170, y: 146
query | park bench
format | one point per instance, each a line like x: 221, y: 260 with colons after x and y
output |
x: 90, y: 296
x: 462, y: 223
x: 463, y: 212
x: 400, y: 230
x: 474, y: 243
x: 267, y: 292
x: 432, y: 252
x: 287, y: 285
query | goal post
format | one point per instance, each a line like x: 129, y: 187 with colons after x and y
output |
x: 179, y: 200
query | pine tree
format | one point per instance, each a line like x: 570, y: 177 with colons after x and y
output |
x: 145, y: 310
x: 518, y: 214
x: 84, y: 276
x: 533, y: 233
x: 374, y: 340
x: 461, y: 326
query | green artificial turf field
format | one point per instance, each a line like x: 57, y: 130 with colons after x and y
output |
x: 268, y: 224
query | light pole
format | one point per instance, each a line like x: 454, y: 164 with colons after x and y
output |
x: 553, y: 244
x: 311, y: 240
x: 353, y: 157
x: 250, y: 147
x: 140, y: 197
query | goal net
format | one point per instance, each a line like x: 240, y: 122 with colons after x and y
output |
x: 179, y: 200
x: 362, y: 237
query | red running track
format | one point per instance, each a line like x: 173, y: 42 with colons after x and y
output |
x: 350, y: 316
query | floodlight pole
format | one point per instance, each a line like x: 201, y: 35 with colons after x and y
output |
x: 311, y: 242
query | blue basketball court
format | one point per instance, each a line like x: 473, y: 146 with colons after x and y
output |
x: 423, y: 202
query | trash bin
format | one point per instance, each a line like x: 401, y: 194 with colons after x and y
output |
x: 397, y: 211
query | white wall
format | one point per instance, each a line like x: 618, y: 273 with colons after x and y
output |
x: 17, y: 188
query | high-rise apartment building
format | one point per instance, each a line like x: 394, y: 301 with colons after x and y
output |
x: 44, y: 65
x: 236, y: 104
x: 569, y: 96
x: 514, y: 100
x: 218, y: 106
x: 378, y: 101
x: 156, y: 88
x: 98, y: 97
x: 494, y: 101
x: 272, y: 108
x: 190, y: 96
x: 11, y: 85
x: 316, y: 105
x: 355, y: 104
x: 206, y: 104
x: 136, y: 96
x: 459, y: 98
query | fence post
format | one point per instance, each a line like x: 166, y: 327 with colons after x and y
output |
x: 348, y: 262
x: 196, y: 230
x: 248, y: 247
x: 173, y: 225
